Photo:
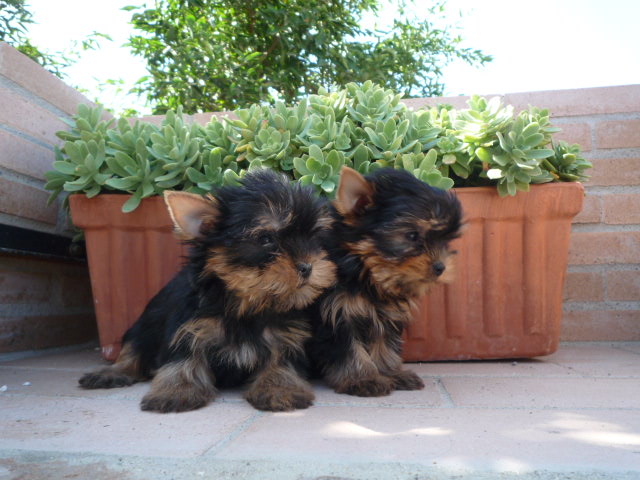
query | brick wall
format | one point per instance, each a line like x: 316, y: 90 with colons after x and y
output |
x: 44, y: 301
x: 602, y: 292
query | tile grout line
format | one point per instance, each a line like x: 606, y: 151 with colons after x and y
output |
x: 625, y: 349
x: 219, y: 446
x: 448, y: 400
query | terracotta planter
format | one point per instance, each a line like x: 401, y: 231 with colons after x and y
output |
x: 131, y: 257
x: 506, y: 301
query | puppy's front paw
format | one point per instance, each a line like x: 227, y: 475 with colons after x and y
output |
x: 280, y: 399
x: 406, y: 380
x: 377, y: 386
x: 176, y: 401
x: 106, y: 378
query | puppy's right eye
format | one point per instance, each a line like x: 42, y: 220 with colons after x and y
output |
x: 413, y: 236
x: 265, y: 240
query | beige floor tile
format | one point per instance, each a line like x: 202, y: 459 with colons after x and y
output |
x: 491, y: 368
x: 454, y: 439
x: 598, y: 359
x: 115, y: 427
x: 544, y: 392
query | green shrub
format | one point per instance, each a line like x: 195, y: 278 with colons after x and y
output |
x: 362, y: 126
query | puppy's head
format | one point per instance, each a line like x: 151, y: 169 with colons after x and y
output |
x: 399, y: 227
x: 262, y: 239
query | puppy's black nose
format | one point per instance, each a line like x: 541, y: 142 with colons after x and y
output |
x: 438, y: 268
x: 304, y: 269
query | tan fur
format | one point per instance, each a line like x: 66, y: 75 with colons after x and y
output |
x: 357, y: 366
x: 410, y: 278
x: 128, y: 362
x: 344, y: 304
x: 279, y: 286
x: 200, y: 333
x: 278, y: 387
x: 270, y: 223
x: 191, y: 213
x: 282, y: 342
x: 385, y: 358
x: 354, y: 192
x: 180, y: 386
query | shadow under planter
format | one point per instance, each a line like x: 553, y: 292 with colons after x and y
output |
x: 506, y: 301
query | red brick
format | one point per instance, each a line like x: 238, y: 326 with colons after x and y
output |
x: 25, y: 201
x: 31, y: 76
x: 624, y: 285
x: 459, y: 102
x: 21, y: 114
x: 618, y: 134
x: 584, y: 287
x: 561, y: 103
x: 45, y: 331
x: 571, y: 133
x: 76, y: 291
x: 23, y: 156
x: 24, y: 287
x: 614, y: 171
x: 592, y: 248
x: 591, y: 210
x: 621, y: 208
x: 601, y: 325
x: 582, y: 101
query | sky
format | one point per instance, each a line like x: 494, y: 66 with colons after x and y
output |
x: 541, y: 45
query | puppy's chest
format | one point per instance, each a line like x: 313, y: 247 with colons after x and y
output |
x: 251, y: 347
x: 357, y: 309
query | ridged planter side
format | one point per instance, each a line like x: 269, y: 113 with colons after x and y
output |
x: 506, y: 300
x: 131, y: 257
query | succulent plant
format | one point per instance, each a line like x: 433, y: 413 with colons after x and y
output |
x: 362, y: 126
x: 320, y: 168
x: 423, y: 167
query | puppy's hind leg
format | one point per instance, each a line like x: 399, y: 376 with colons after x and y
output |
x: 124, y: 372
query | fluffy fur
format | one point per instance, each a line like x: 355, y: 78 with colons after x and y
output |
x: 391, y: 242
x: 236, y: 312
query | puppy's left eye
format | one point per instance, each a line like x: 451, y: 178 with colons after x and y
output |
x: 412, y: 236
x: 265, y: 240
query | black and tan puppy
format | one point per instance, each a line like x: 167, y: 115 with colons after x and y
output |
x: 390, y: 242
x: 235, y: 313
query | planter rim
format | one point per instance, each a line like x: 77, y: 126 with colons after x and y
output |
x: 117, y: 196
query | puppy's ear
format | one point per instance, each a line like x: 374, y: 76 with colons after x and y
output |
x: 191, y: 214
x: 355, y: 194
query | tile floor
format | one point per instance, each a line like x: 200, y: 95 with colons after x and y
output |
x: 572, y: 415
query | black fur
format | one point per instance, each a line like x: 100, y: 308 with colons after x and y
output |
x: 358, y: 323
x: 203, y: 330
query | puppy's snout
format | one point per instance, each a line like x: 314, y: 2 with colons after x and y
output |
x: 438, y: 268
x: 304, y: 269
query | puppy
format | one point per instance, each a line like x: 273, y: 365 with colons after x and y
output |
x: 235, y: 313
x: 390, y: 241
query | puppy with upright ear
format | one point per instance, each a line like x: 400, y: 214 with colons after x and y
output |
x: 235, y: 314
x: 390, y: 242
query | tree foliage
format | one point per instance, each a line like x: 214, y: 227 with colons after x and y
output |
x: 210, y: 55
x: 15, y: 19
